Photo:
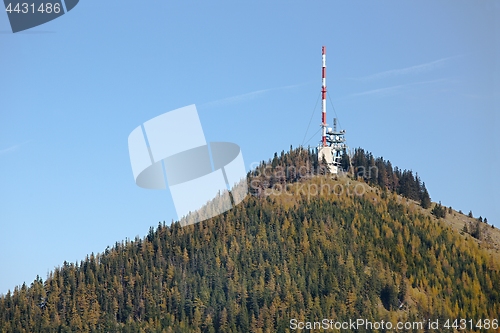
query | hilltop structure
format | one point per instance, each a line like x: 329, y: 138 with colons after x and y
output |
x: 332, y: 146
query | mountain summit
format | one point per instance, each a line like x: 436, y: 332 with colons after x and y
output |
x: 306, y: 248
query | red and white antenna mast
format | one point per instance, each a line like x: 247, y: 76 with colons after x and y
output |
x: 323, y: 99
x: 332, y: 146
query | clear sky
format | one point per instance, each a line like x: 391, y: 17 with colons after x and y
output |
x: 416, y: 82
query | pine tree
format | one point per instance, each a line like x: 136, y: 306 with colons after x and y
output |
x: 425, y: 199
x: 477, y: 231
x: 403, y: 290
x: 439, y: 211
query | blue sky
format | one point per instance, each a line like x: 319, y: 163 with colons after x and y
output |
x: 415, y: 82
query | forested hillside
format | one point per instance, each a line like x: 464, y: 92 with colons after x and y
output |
x: 311, y: 248
x: 299, y: 164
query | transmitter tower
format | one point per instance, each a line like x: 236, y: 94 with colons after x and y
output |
x: 332, y: 146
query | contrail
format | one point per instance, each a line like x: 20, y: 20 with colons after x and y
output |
x: 409, y: 70
x: 247, y: 96
x: 387, y: 90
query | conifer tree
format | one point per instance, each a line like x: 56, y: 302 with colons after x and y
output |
x: 425, y: 199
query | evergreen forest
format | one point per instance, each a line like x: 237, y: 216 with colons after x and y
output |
x: 305, y: 245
